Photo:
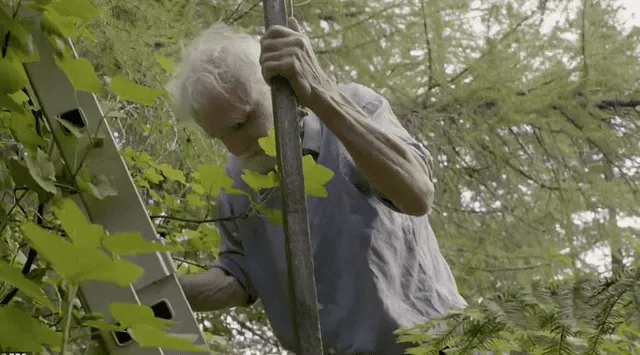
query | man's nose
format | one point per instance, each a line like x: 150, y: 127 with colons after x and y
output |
x: 236, y: 146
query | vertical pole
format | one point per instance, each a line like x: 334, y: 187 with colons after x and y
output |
x: 302, y: 287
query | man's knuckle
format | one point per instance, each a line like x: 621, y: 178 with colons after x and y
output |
x: 298, y: 42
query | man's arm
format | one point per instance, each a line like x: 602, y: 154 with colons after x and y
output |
x: 226, y: 284
x: 393, y: 168
x: 213, y: 290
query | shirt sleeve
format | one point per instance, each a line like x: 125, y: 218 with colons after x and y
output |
x: 231, y: 256
x: 378, y: 109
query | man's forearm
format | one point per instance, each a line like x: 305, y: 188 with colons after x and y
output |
x: 397, y: 172
x: 212, y: 290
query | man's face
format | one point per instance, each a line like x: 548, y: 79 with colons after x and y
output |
x: 239, y: 126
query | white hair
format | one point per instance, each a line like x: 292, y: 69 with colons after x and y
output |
x: 214, y: 59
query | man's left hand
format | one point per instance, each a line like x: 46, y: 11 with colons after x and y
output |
x: 287, y: 52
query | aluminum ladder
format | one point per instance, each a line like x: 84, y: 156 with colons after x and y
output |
x: 158, y: 287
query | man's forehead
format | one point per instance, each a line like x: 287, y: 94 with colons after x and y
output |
x: 222, y: 115
x: 235, y: 102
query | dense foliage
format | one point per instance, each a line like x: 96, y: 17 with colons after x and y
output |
x: 521, y: 102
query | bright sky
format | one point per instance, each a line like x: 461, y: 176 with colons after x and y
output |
x: 632, y: 15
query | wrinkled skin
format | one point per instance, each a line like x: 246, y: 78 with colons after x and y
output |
x: 287, y: 52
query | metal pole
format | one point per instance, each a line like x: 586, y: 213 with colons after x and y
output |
x: 302, y: 287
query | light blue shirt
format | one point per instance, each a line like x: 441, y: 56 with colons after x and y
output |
x: 376, y: 269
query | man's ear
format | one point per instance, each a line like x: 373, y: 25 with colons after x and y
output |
x: 293, y: 24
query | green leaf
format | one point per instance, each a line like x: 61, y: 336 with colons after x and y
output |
x: 99, y: 186
x: 197, y: 188
x: 6, y: 183
x: 171, y: 173
x: 96, y: 265
x: 23, y: 130
x: 130, y: 315
x: 17, y: 26
x: 211, y: 238
x: 21, y: 332
x: 149, y: 337
x: 195, y: 200
x: 17, y: 32
x: 75, y: 130
x: 132, y: 243
x: 19, y: 96
x: 130, y: 91
x: 167, y: 64
x: 14, y: 78
x: 110, y: 109
x: 81, y: 73
x: 80, y: 264
x: 268, y: 143
x: 81, y: 232
x: 152, y: 175
x: 22, y: 178
x: 82, y: 9
x: 51, y: 247
x: 42, y: 171
x: 316, y: 177
x: 259, y: 181
x: 217, y: 339
x: 35, y: 6
x: 98, y: 324
x: 14, y: 102
x: 213, y: 178
x: 195, y: 243
x: 53, y: 22
x: 122, y: 273
x: 171, y: 201
x: 13, y: 276
x: 273, y: 215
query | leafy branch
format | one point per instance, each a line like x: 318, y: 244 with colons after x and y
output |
x: 566, y: 317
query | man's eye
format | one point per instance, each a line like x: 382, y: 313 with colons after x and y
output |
x: 238, y: 126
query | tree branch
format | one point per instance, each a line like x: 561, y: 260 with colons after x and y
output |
x: 428, y: 43
x: 521, y: 268
x: 615, y: 104
x: 190, y: 220
x: 189, y: 262
x: 250, y: 329
x: 464, y: 71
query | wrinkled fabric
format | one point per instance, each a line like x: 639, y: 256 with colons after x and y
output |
x: 376, y: 269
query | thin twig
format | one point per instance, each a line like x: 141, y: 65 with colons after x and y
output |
x: 211, y: 220
x: 522, y: 268
x: 189, y: 262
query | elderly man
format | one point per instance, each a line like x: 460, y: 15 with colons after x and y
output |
x: 378, y: 266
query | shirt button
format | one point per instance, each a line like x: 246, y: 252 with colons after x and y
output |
x: 332, y: 351
x: 320, y: 306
